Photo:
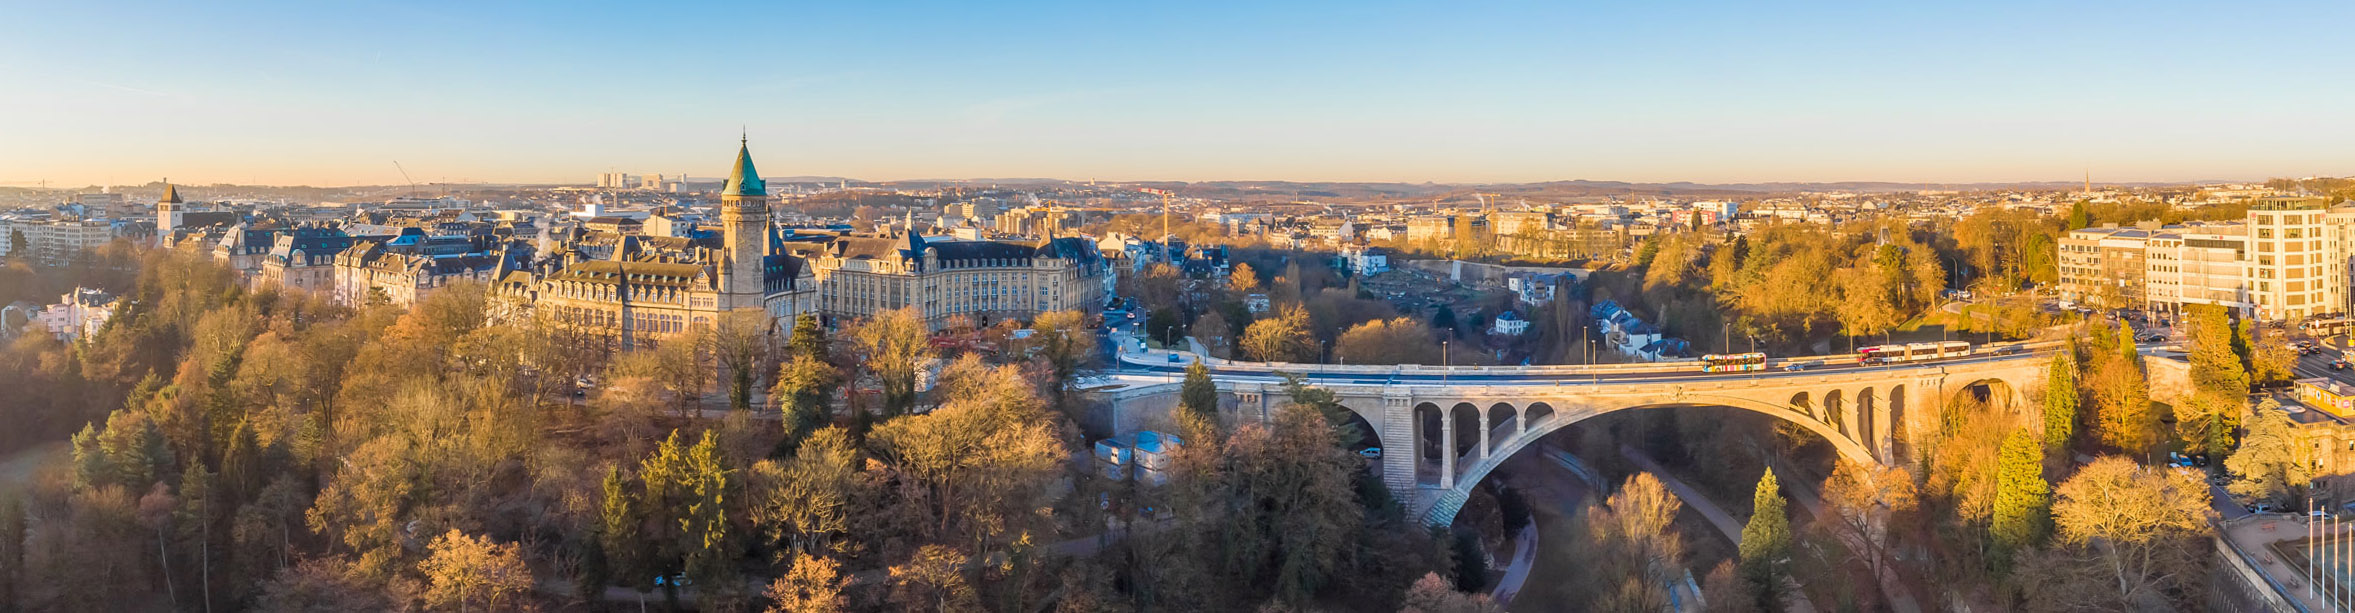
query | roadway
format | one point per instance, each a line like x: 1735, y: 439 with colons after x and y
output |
x: 1156, y: 363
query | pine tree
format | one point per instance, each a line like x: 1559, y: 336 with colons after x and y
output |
x: 1766, y: 542
x: 2220, y: 383
x: 2060, y: 401
x: 809, y: 339
x: 617, y: 533
x: 2022, y: 498
x: 703, y: 521
x: 1199, y: 397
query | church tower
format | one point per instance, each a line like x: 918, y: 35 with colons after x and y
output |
x: 744, y: 217
x: 167, y: 213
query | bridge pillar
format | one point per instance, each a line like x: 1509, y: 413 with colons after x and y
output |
x: 1251, y: 403
x: 1884, y: 434
x: 1400, y: 447
x: 1484, y: 427
x: 1521, y: 421
x: 1447, y: 448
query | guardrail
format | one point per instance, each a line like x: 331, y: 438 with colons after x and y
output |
x: 1158, y: 359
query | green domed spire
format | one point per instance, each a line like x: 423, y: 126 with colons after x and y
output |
x: 743, y: 180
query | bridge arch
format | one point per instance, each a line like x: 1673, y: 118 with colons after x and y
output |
x: 1444, y: 510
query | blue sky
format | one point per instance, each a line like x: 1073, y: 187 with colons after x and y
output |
x: 331, y: 93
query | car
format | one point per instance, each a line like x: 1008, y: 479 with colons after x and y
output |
x: 1794, y: 367
x: 2340, y: 364
x: 1173, y: 358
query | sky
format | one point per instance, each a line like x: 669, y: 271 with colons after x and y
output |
x: 335, y: 93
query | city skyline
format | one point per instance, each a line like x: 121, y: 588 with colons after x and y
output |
x: 1712, y: 93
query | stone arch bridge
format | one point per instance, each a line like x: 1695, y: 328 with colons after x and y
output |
x: 1868, y: 413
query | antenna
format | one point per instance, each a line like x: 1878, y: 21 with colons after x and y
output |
x: 405, y: 177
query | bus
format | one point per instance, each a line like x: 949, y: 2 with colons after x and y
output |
x: 1739, y: 362
x: 2326, y: 327
x: 1912, y: 352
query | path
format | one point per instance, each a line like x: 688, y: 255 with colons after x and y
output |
x: 1709, y: 510
x: 1524, y: 557
x: 1900, y: 597
x: 19, y: 468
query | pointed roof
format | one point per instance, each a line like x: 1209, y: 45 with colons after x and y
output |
x: 743, y: 180
x: 171, y: 194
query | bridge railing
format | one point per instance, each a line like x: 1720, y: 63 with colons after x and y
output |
x: 1160, y: 359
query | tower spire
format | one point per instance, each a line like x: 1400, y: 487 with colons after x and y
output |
x: 744, y: 180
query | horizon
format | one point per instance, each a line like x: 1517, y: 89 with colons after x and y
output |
x: 1710, y: 93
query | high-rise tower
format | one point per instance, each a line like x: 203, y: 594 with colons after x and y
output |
x: 744, y: 217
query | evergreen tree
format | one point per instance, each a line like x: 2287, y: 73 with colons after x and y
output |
x: 2079, y: 216
x: 2220, y: 383
x: 2023, y: 499
x: 617, y: 533
x: 1199, y: 397
x: 1766, y: 543
x: 2060, y: 401
x: 809, y: 339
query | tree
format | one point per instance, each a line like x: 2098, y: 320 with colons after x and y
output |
x: 1199, y: 395
x: 809, y: 339
x: 687, y: 490
x: 1432, y: 594
x: 2220, y: 383
x: 2142, y: 527
x: 1766, y: 543
x: 1065, y: 343
x: 18, y: 246
x: 892, y: 344
x: 808, y: 502
x: 1243, y: 280
x: 933, y: 580
x: 2272, y: 361
x: 805, y: 397
x: 1217, y: 336
x: 2023, y: 499
x: 2122, y: 405
x: 982, y: 460
x: 1634, y: 550
x: 1283, y: 338
x: 1391, y: 341
x: 741, y: 343
x: 465, y: 571
x: 814, y: 585
x: 619, y: 519
x: 1864, y: 500
x: 1295, y: 507
x: 2272, y: 463
x: 2060, y: 400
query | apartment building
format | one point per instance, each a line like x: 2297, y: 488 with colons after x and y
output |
x: 2103, y: 267
x: 2287, y: 259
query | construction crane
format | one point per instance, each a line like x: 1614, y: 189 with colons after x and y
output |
x: 405, y: 177
x: 1165, y: 233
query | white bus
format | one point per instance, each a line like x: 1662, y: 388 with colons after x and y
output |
x: 1912, y: 352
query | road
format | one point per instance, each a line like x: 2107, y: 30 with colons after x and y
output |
x: 1156, y: 363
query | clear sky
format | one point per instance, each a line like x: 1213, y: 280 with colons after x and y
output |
x: 332, y: 93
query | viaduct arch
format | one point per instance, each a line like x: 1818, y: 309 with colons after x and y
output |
x: 1873, y: 414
